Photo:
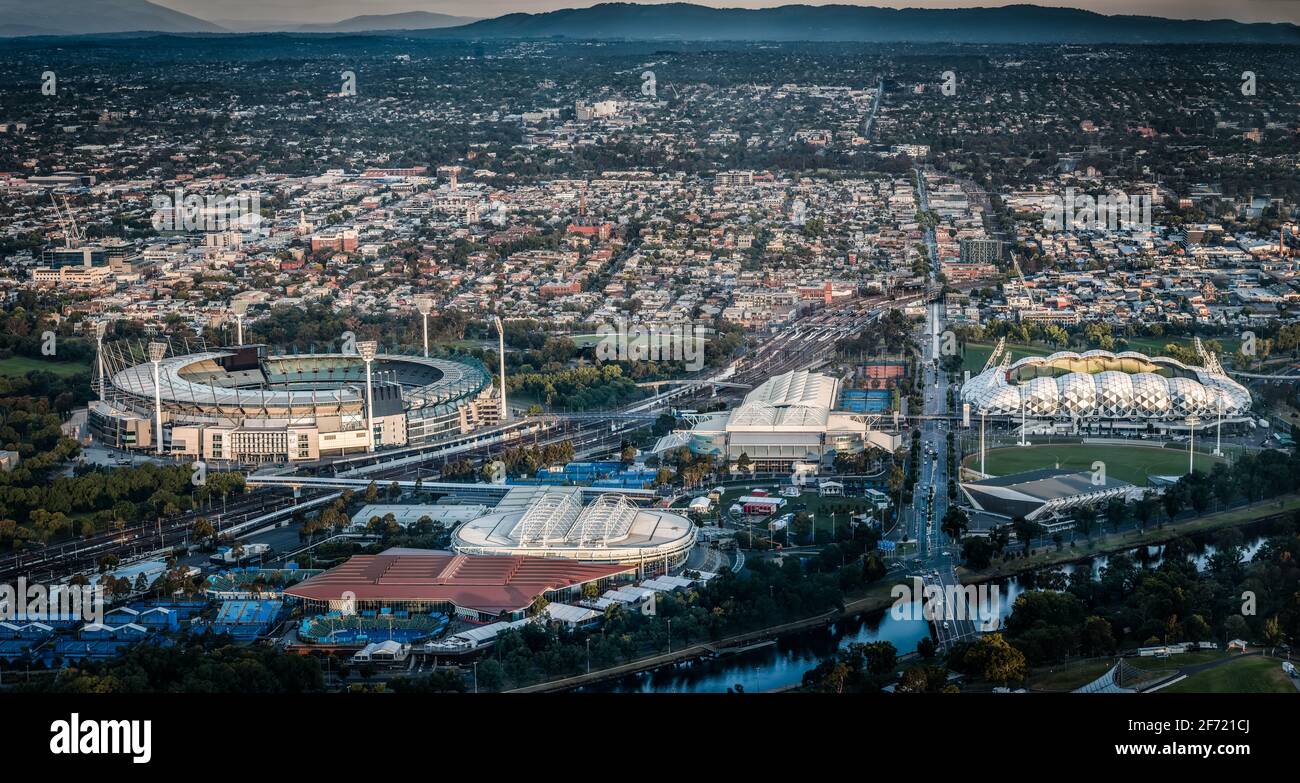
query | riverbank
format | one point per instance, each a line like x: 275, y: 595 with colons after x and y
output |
x: 1118, y: 542
x: 875, y: 598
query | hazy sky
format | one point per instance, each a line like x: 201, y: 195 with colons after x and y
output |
x: 334, y: 10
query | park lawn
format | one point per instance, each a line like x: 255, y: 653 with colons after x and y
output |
x: 1127, y: 463
x: 976, y: 354
x: 19, y: 366
x: 1067, y: 678
x: 1254, y: 674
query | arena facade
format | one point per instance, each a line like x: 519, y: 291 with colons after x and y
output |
x: 547, y: 521
x: 247, y: 405
x: 1105, y: 390
x: 788, y: 419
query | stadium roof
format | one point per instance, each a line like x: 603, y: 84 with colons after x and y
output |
x: 794, y: 400
x: 551, y: 518
x: 199, y: 379
x: 1037, y: 492
x: 489, y: 584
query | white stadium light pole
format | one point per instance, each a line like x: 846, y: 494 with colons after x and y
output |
x: 501, y: 358
x: 239, y: 307
x: 367, y: 349
x: 1192, y: 421
x: 983, y: 413
x: 157, y: 350
x: 425, y: 305
x: 1218, y: 432
x: 100, y: 328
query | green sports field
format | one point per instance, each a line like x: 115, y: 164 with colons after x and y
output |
x: 19, y: 366
x: 1127, y: 463
x: 1255, y: 674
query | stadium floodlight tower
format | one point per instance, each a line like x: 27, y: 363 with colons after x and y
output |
x: 367, y: 350
x: 239, y: 307
x: 425, y: 305
x: 1192, y: 421
x: 157, y: 350
x: 100, y: 328
x: 983, y: 412
x: 501, y: 358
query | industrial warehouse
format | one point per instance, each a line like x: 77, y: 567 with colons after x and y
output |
x: 788, y: 419
x: 248, y: 406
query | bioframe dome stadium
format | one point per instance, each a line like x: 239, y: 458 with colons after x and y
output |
x: 245, y: 405
x: 1119, y: 390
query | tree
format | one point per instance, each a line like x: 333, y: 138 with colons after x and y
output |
x: 1098, y: 638
x: 202, y: 529
x: 996, y: 660
x: 1116, y: 511
x: 1173, y: 500
x: 1273, y: 635
x: 1026, y: 531
x: 1085, y: 519
x: 955, y: 523
x: 743, y: 462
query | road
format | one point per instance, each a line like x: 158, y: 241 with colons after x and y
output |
x: 936, y: 554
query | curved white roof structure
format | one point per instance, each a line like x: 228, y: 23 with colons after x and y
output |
x: 1104, y: 385
x: 795, y: 400
x: 548, y: 521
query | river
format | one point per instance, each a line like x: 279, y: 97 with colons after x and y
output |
x: 782, y: 664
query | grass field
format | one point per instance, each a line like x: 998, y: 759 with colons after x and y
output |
x: 1255, y: 674
x: 1127, y: 463
x: 19, y: 366
x: 1067, y: 678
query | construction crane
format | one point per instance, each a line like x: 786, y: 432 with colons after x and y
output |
x: 1016, y: 265
x: 71, y: 235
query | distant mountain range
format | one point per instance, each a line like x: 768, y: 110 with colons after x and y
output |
x: 684, y: 22
x: 1008, y: 24
x: 414, y: 20
x: 78, y: 17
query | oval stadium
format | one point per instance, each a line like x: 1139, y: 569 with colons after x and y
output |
x: 1123, y: 390
x: 245, y: 405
